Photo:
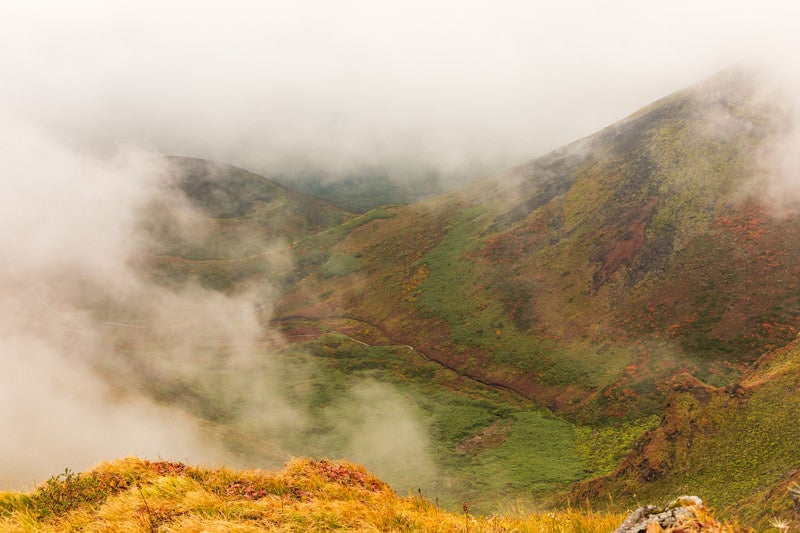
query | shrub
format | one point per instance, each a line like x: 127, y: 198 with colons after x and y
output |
x: 340, y: 265
x: 65, y: 492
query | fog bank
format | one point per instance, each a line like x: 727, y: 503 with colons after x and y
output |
x: 465, y: 88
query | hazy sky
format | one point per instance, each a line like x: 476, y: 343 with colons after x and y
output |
x: 272, y: 85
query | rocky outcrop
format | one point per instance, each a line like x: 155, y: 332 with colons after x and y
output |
x: 681, y: 514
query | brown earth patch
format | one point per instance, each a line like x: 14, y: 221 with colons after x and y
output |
x: 491, y: 436
x: 622, y: 250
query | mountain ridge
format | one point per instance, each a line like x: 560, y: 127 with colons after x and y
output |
x: 603, y: 282
x: 622, y: 248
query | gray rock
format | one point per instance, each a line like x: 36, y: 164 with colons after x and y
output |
x: 678, y: 511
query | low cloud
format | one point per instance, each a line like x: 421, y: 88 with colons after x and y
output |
x: 98, y: 360
x: 68, y: 223
x: 58, y: 414
x: 464, y: 88
x: 780, y: 156
x: 381, y: 428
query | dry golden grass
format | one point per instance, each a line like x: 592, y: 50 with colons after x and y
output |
x: 132, y: 495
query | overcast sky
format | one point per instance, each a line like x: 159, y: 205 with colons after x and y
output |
x: 458, y: 85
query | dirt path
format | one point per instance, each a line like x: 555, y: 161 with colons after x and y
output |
x: 427, y: 357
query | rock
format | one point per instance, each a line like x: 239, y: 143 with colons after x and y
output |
x: 652, y: 519
x: 794, y: 494
x: 636, y: 520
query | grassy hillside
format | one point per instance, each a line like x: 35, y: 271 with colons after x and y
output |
x: 308, y: 495
x: 736, y: 445
x: 220, y: 226
x: 368, y: 189
x: 584, y: 278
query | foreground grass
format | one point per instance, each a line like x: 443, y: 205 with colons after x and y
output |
x: 308, y: 495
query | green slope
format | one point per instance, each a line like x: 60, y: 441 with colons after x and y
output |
x: 585, y: 277
x: 738, y: 445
